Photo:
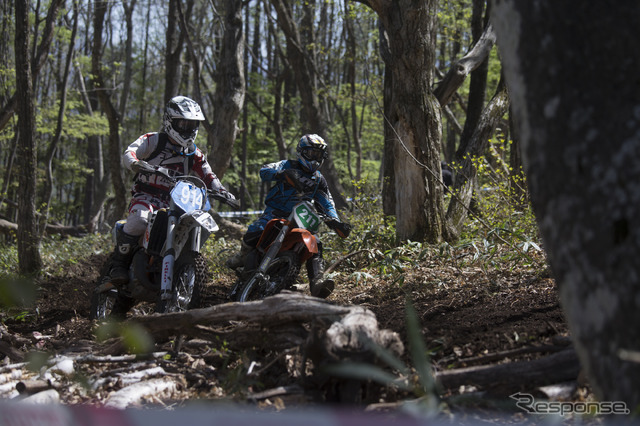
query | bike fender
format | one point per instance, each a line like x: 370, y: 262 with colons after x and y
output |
x: 298, y: 235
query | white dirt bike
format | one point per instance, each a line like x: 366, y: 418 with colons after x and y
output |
x: 167, y: 267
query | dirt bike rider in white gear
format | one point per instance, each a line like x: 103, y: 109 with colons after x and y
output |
x: 172, y: 148
x: 282, y: 197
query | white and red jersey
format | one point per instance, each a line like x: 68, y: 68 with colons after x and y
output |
x: 157, y: 150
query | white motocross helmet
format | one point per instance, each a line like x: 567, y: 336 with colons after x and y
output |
x: 182, y: 117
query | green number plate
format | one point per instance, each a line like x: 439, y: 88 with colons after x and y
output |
x: 307, y: 218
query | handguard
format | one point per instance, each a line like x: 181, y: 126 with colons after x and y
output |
x: 342, y: 229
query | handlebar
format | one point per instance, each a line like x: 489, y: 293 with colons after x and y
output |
x: 166, y: 173
x: 233, y: 203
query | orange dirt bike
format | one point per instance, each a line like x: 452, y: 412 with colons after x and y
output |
x: 284, y: 246
x: 167, y: 268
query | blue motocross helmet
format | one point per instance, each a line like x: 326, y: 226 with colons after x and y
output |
x: 311, y: 152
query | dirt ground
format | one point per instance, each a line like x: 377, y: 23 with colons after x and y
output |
x: 464, y: 312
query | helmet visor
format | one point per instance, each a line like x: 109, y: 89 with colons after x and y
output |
x: 185, y: 126
x: 313, y: 154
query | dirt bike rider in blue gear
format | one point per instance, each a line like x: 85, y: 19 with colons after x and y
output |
x: 282, y: 197
x: 173, y: 148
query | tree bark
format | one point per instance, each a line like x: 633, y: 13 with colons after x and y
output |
x: 230, y: 90
x: 581, y: 150
x: 38, y: 60
x: 29, y: 258
x: 414, y: 117
x: 174, y: 42
x: 128, y: 65
x: 510, y: 377
x: 477, y: 83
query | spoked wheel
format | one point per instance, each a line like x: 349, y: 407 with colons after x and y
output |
x: 188, y: 280
x: 254, y: 289
x: 281, y: 273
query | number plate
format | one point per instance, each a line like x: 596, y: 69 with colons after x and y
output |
x: 306, y: 217
x: 188, y: 197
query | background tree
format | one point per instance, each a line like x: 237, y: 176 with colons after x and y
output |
x: 414, y: 116
x: 103, y: 92
x: 230, y: 89
x: 305, y: 77
x: 28, y: 235
x: 580, y: 135
x: 312, y: 66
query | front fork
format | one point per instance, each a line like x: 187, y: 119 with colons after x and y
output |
x: 273, y: 249
x: 168, y: 261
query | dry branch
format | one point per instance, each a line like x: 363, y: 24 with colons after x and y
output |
x: 135, y: 393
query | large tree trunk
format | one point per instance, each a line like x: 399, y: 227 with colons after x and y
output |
x: 28, y: 237
x: 414, y: 117
x: 573, y: 79
x: 230, y: 89
x: 174, y: 42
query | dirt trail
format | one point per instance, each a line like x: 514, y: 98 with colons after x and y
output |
x: 463, y: 313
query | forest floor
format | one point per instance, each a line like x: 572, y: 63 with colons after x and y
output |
x: 465, y: 313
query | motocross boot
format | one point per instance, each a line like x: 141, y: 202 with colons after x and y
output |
x: 250, y: 263
x: 238, y: 259
x: 318, y: 286
x: 122, y: 255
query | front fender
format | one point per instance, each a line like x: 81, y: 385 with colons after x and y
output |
x: 197, y: 224
x: 299, y: 235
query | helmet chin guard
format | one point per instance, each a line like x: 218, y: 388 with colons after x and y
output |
x: 182, y: 117
x: 311, y: 152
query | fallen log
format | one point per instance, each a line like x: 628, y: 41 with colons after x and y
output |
x: 7, y: 350
x: 508, y: 378
x: 325, y: 333
x: 493, y: 357
x: 30, y: 387
x: 272, y: 312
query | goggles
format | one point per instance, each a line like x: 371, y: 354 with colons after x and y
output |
x: 183, y: 126
x: 314, y: 154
